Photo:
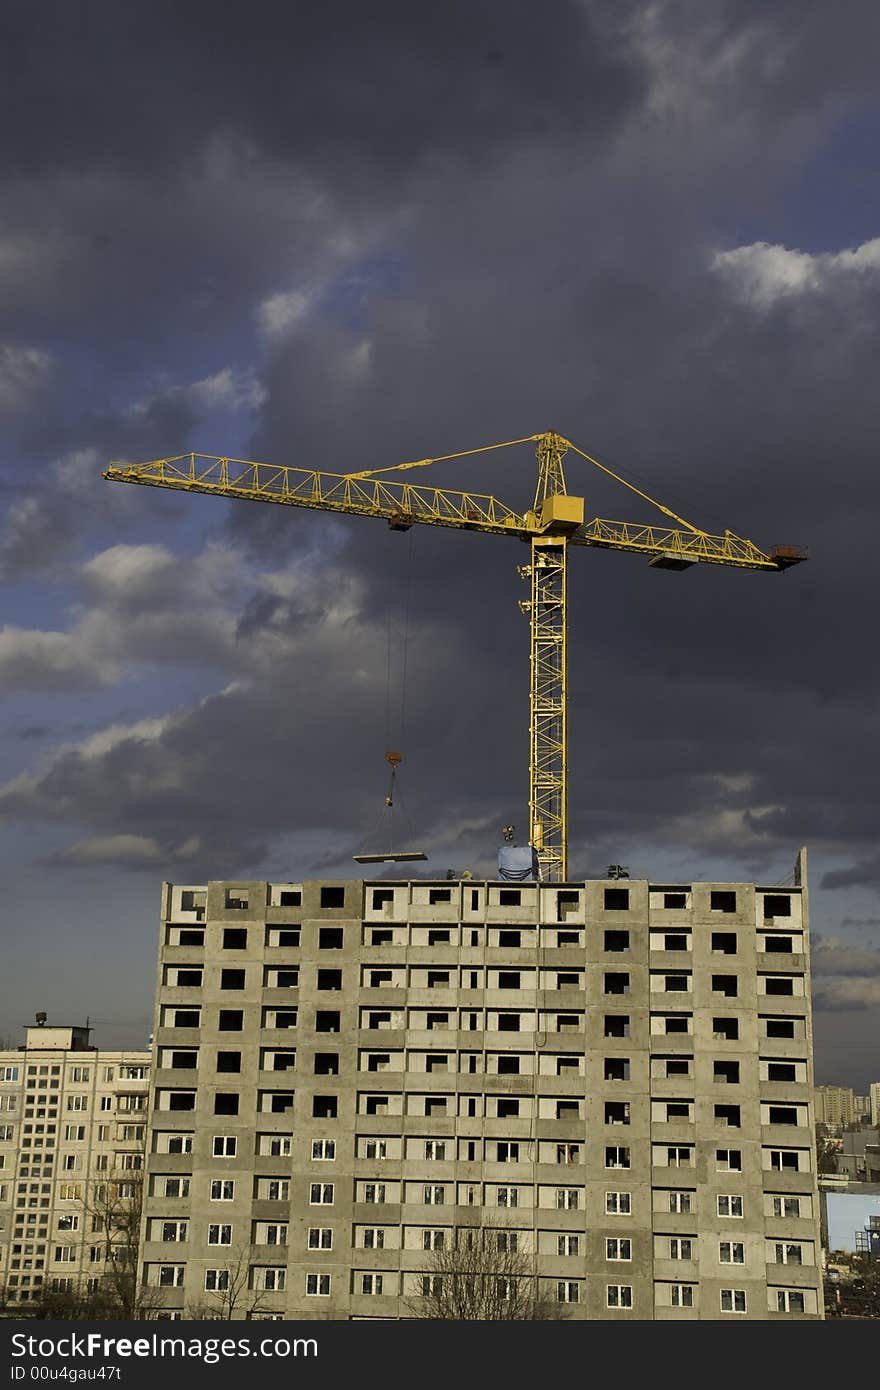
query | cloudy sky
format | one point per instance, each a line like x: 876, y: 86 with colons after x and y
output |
x: 343, y: 235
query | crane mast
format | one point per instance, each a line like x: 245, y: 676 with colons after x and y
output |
x: 553, y: 524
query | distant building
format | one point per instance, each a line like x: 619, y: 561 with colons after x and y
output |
x: 859, y: 1155
x: 850, y: 1215
x: 72, y: 1123
x: 351, y: 1075
x: 875, y: 1102
x: 839, y: 1105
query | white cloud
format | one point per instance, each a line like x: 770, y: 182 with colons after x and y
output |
x: 761, y: 273
x: 230, y: 389
x: 280, y: 313
x: 132, y: 851
x: 33, y: 660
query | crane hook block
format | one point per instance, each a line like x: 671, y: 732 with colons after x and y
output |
x: 393, y: 758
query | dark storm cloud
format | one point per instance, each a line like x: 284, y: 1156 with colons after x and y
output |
x: 865, y: 872
x: 372, y: 88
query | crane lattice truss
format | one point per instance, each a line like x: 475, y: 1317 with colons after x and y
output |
x: 551, y: 525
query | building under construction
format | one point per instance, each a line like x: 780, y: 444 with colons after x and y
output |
x: 611, y: 1078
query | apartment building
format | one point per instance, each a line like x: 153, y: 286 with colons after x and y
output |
x: 615, y: 1077
x: 72, y: 1138
x: 839, y: 1105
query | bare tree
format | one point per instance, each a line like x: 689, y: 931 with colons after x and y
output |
x: 233, y: 1295
x: 482, y: 1275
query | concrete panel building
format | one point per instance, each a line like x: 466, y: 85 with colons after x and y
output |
x: 617, y: 1076
x: 839, y: 1105
x: 72, y: 1135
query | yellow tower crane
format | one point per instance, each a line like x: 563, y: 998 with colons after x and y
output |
x: 553, y: 523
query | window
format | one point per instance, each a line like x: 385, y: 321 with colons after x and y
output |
x: 616, y: 941
x: 506, y: 1197
x: 507, y: 979
x: 675, y: 941
x: 374, y: 1238
x: 176, y: 1187
x: 567, y: 1291
x: 729, y: 1205
x: 567, y: 1198
x: 786, y: 1206
x: 509, y: 897
x: 616, y: 1068
x: 616, y: 982
x: 784, y: 1160
x: 232, y: 979
x: 321, y: 1194
x: 174, y: 1230
x: 790, y: 1301
x: 680, y: 1202
x: 731, y: 1252
x: 724, y: 942
x: 682, y: 1295
x: 568, y: 1153
x: 567, y: 1245
x: 216, y: 1280
x: 508, y: 1023
x: 616, y: 899
x: 617, y: 1112
x: 777, y: 905
x: 781, y: 1071
x: 507, y: 1152
x: 725, y: 1028
x: 222, y: 1190
x: 434, y: 1196
x: 225, y: 1146
x: 733, y: 1300
x: 371, y: 1283
x: 229, y: 1061
x: 326, y: 1021
x: 330, y: 979
x: 727, y: 1115
x: 724, y: 984
x: 676, y: 984
x: 728, y: 1160
x: 318, y: 1285
x: 722, y: 901
x: 235, y: 938
x: 432, y: 1284
x: 780, y: 1027
x: 782, y: 1114
x: 375, y: 1148
x: 616, y: 1025
x: 681, y: 1248
x: 320, y: 1238
x: 778, y: 984
x: 617, y: 1248
x: 678, y: 1156
x: 225, y: 1103
x: 788, y: 1253
x: 618, y: 1203
x: 323, y: 1150
x: 230, y: 1020
x: 171, y: 1276
x: 219, y: 1235
x: 618, y: 1296
x: 616, y: 1156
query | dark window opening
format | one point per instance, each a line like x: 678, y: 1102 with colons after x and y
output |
x: 678, y: 1110
x: 724, y: 941
x: 507, y: 1108
x: 435, y: 1105
x: 326, y: 1064
x: 190, y: 936
x: 475, y: 937
x: 616, y: 982
x: 439, y: 895
x: 781, y: 1071
x: 288, y: 936
x: 780, y: 1027
x: 235, y: 938
x: 616, y: 1112
x: 617, y: 1025
x: 568, y: 1110
x: 617, y: 941
x: 232, y: 979
x: 676, y: 984
x: 226, y: 1103
x: 721, y: 900
x: 230, y: 1020
x: 678, y: 1066
x: 728, y: 1115
x: 777, y: 905
x: 509, y: 897
x: 332, y: 897
x: 281, y: 1101
x: 724, y: 984
x: 568, y: 938
x: 189, y: 977
x: 725, y: 1028
x: 780, y: 945
x: 290, y: 897
x: 327, y: 1021
x: 727, y: 1072
x: 236, y: 899
x: 440, y: 1020
x: 330, y: 939
x: 508, y: 1023
x: 616, y: 1068
x: 229, y: 1061
x: 675, y: 941
x: 438, y: 979
x: 508, y: 1066
x: 677, y: 1023
x: 438, y: 937
x: 378, y: 937
x: 508, y: 979
x: 781, y: 985
x: 182, y: 1100
x: 675, y: 900
x: 509, y: 938
x: 376, y: 1105
x: 187, y: 1018
x: 184, y: 1060
x: 381, y: 896
x: 329, y: 979
x: 566, y: 901
x: 286, y: 979
x: 324, y: 1107
x: 475, y: 899
x: 782, y: 1114
x: 378, y: 1061
x: 616, y: 899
